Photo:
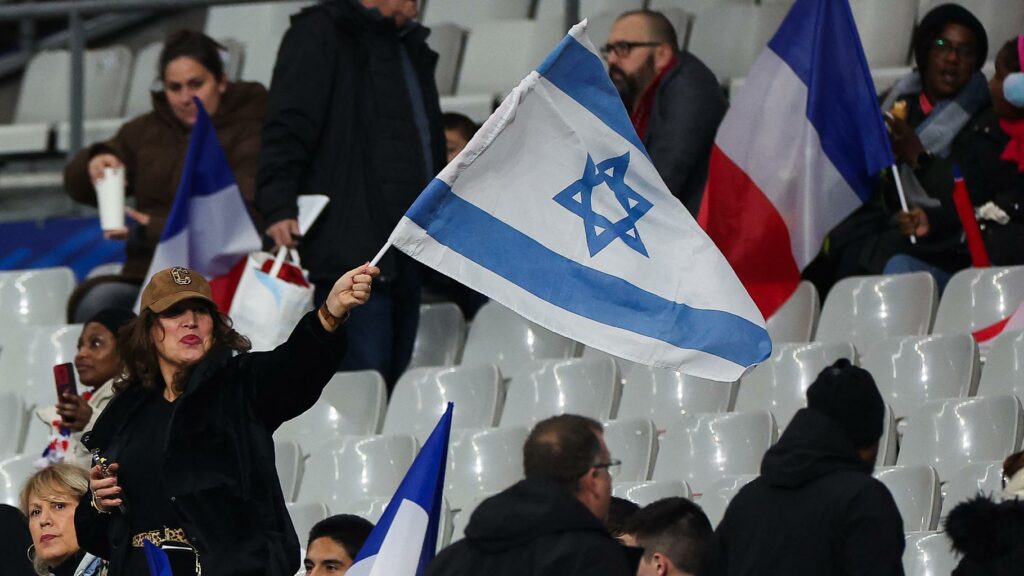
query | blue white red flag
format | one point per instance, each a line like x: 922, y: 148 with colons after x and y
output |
x: 156, y: 559
x: 799, y: 150
x: 555, y: 210
x: 209, y: 229
x: 405, y: 538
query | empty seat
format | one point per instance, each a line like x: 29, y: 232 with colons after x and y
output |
x: 35, y: 296
x: 863, y: 309
x: 1004, y: 367
x: 553, y: 9
x: 701, y: 448
x: 968, y: 482
x: 483, y: 462
x: 259, y: 27
x: 448, y: 40
x: 888, y: 443
x: 14, y: 471
x: 885, y: 27
x: 928, y: 554
x: 796, y: 320
x: 634, y: 441
x: 661, y: 394
x: 977, y: 298
x: 13, y: 416
x: 421, y: 397
x: 304, y: 516
x: 29, y: 354
x: 780, y: 383
x: 914, y: 369
x: 643, y: 493
x: 461, y: 517
x: 440, y: 335
x: 470, y: 13
x: 348, y: 468
x: 749, y: 28
x: 373, y: 508
x: 288, y: 460
x: 351, y: 403
x: 696, y: 7
x: 500, y: 336
x: 916, y: 491
x: 546, y: 388
x: 950, y: 434
x: 716, y: 499
x: 500, y: 53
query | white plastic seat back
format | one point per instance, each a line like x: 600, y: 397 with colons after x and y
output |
x: 145, y: 77
x: 554, y: 9
x: 928, y: 554
x: 288, y: 460
x: 304, y: 516
x: 37, y: 297
x: 885, y: 28
x: 373, y: 508
x: 701, y: 448
x: 863, y: 309
x: 1004, y: 367
x: 44, y: 89
x: 15, y: 469
x: 440, y: 335
x: 718, y: 495
x: 259, y: 27
x: 28, y: 357
x: 461, y: 517
x: 696, y: 7
x: 500, y: 53
x: 1003, y: 19
x: 643, y: 493
x: 796, y: 320
x: 448, y: 40
x: 661, y: 394
x: 888, y: 443
x: 911, y: 370
x: 421, y: 397
x: 916, y: 492
x: 470, y: 13
x: 634, y: 441
x: 780, y: 384
x: 950, y: 434
x: 483, y: 462
x: 348, y: 468
x: 984, y: 478
x: 352, y: 403
x: 977, y: 298
x: 500, y: 336
x: 13, y: 421
x: 586, y: 387
x: 749, y: 26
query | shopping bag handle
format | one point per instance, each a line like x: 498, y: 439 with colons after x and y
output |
x: 279, y: 258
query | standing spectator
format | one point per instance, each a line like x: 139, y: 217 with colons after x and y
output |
x: 674, y: 533
x: 673, y: 99
x: 815, y: 510
x: 151, y: 149
x: 551, y: 523
x: 354, y: 114
x: 334, y: 543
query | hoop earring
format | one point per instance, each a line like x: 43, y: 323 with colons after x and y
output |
x: 30, y: 553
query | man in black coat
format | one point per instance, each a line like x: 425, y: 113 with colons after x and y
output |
x: 816, y: 510
x: 552, y: 522
x: 353, y: 113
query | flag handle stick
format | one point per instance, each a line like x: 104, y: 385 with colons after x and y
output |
x: 380, y: 254
x: 899, y: 190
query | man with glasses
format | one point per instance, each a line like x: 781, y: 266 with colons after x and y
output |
x: 551, y: 523
x: 673, y: 99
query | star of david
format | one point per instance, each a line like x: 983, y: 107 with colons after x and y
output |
x: 600, y: 231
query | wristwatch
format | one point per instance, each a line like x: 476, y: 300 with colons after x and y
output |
x: 329, y: 319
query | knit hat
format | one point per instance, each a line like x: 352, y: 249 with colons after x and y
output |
x: 172, y: 285
x: 112, y: 318
x: 933, y: 23
x: 848, y: 396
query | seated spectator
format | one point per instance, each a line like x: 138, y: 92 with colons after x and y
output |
x: 816, y: 509
x: 458, y: 129
x: 674, y: 533
x: 49, y: 499
x: 334, y: 543
x: 619, y: 512
x: 151, y: 149
x: 551, y: 522
x: 16, y: 542
x: 1013, y: 476
x: 97, y: 364
x: 673, y: 99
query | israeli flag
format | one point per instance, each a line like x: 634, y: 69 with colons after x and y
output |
x: 405, y: 539
x: 555, y: 210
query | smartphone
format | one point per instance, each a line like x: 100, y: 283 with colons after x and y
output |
x: 64, y: 377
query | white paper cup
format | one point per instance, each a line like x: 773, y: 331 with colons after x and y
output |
x: 110, y: 197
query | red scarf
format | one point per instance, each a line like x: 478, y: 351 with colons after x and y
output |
x: 641, y: 113
x: 926, y: 104
x: 1014, y: 151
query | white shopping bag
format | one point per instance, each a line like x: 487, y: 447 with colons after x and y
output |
x: 266, y: 306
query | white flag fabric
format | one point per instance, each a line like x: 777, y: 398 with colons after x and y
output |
x: 555, y: 210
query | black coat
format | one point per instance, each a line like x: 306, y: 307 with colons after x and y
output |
x: 219, y: 458
x: 990, y: 537
x: 15, y: 543
x: 814, y: 511
x: 340, y: 123
x: 534, y: 528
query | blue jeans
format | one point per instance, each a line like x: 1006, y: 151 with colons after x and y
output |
x: 903, y: 264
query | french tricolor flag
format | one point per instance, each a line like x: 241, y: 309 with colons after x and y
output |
x: 799, y: 150
x: 209, y: 229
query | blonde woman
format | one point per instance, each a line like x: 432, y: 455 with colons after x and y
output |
x: 49, y: 499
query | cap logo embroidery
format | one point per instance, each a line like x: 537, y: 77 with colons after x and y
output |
x: 181, y: 276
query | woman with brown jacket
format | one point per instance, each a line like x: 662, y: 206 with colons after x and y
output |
x: 152, y: 148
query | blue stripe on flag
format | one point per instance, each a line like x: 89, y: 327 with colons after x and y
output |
x: 581, y: 75
x: 590, y: 293
x: 819, y: 42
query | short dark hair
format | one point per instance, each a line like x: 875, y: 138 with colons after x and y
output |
x: 1010, y: 56
x: 674, y: 527
x: 661, y: 27
x: 194, y: 45
x: 347, y: 530
x: 619, y: 512
x: 459, y: 123
x: 562, y: 448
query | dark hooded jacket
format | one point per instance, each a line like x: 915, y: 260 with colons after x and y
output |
x: 815, y: 511
x: 534, y: 528
x: 990, y: 537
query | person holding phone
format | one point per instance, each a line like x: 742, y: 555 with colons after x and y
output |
x: 97, y: 363
x: 185, y: 452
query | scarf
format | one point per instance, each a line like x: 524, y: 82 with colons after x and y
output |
x: 1014, y: 151
x: 939, y: 129
x: 641, y: 114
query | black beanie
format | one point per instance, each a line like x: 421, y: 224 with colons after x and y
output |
x: 933, y: 23
x: 848, y: 396
x: 112, y: 318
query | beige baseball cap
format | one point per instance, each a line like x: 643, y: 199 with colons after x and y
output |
x: 172, y: 285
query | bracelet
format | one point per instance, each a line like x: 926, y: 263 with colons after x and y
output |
x: 96, y: 506
x: 329, y: 319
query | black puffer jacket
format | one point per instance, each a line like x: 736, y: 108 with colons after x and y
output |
x: 814, y: 511
x: 990, y: 537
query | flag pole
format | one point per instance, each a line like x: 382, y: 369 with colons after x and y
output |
x: 899, y: 190
x: 387, y: 245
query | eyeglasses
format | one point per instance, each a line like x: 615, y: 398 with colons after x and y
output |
x: 944, y: 47
x: 613, y: 465
x: 622, y: 49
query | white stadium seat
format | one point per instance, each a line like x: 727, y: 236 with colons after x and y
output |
x: 550, y: 387
x: 13, y: 420
x: 1004, y: 367
x: 928, y: 554
x: 449, y: 41
x: 440, y: 335
x: 351, y: 403
x: 977, y: 298
x: 29, y: 354
x: 304, y: 516
x: 421, y: 397
x: 748, y: 27
x: 553, y: 9
x: 797, y: 319
x: 716, y: 499
x: 34, y: 296
x: 916, y: 491
x: 500, y: 336
x: 634, y: 441
x: 471, y: 13
x: 661, y: 394
x: 288, y: 460
x: 15, y: 469
x: 885, y: 27
x: 461, y: 517
x: 483, y: 462
x: 984, y: 478
x: 259, y: 27
x: 500, y: 53
x: 643, y: 493
x: 348, y: 468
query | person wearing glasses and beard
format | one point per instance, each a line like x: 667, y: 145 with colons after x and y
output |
x: 673, y: 100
